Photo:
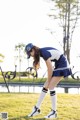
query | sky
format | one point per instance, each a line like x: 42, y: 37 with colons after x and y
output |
x: 27, y: 21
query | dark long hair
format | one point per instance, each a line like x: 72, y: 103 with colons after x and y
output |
x: 36, y: 62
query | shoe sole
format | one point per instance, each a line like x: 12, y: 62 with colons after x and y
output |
x: 51, y: 117
x: 33, y: 115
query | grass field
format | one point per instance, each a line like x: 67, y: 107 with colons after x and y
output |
x: 19, y: 105
x: 38, y: 80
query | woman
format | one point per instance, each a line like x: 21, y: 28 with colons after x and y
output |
x: 62, y: 69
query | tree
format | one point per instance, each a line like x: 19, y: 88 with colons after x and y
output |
x: 1, y: 57
x: 19, y: 48
x: 68, y: 12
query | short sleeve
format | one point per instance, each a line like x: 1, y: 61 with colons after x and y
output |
x: 45, y: 54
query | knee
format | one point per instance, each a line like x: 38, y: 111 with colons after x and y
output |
x: 51, y: 86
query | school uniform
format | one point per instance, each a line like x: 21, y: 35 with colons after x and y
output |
x: 62, y: 67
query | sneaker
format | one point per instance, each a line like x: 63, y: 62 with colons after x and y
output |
x: 52, y: 114
x: 34, y: 112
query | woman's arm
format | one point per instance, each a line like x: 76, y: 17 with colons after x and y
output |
x: 50, y: 71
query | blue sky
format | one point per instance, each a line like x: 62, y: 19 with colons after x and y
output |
x: 24, y: 21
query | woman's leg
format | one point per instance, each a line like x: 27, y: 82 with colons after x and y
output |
x: 54, y: 81
x: 36, y: 109
x: 42, y: 95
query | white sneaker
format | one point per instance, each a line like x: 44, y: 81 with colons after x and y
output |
x: 34, y: 112
x: 52, y: 114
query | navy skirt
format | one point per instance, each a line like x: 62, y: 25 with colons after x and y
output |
x: 62, y: 67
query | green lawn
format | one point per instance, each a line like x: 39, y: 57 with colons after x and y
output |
x: 38, y: 80
x: 19, y: 105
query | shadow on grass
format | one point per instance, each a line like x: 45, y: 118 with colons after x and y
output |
x: 26, y: 118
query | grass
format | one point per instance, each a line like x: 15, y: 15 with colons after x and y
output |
x: 38, y: 80
x: 23, y: 80
x: 19, y: 105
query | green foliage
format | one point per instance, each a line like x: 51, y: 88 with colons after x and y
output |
x: 62, y: 7
x: 20, y: 105
x: 34, y: 80
x: 1, y: 57
x: 19, y: 46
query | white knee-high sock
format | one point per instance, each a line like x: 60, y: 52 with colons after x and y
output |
x: 53, y: 99
x: 42, y: 95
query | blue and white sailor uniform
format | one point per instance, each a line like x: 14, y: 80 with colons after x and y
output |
x: 62, y: 67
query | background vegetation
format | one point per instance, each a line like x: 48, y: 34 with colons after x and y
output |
x: 34, y: 80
